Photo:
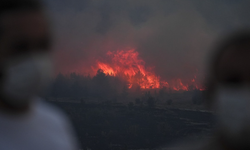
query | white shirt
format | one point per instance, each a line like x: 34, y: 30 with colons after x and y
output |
x: 44, y: 128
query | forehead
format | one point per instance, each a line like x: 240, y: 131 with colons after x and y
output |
x: 235, y: 61
x: 26, y: 23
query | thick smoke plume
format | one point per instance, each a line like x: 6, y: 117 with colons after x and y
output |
x: 174, y: 35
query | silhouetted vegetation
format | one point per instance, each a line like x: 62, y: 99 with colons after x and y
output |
x: 100, y: 86
x: 197, y: 98
x: 138, y: 101
x: 151, y: 102
x: 169, y: 102
x: 130, y: 105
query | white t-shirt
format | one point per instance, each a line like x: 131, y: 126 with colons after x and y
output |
x: 43, y: 128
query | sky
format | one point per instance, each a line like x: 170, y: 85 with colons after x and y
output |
x: 173, y: 36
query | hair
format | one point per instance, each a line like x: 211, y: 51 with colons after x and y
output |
x: 19, y: 5
x: 8, y: 6
x: 240, y: 40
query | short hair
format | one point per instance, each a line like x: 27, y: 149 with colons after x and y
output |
x: 239, y: 39
x: 19, y: 5
x: 8, y: 6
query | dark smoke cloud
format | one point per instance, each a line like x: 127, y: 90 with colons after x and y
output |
x: 173, y: 35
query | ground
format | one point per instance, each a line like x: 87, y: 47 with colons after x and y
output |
x: 115, y: 127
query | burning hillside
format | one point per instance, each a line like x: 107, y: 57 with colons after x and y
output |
x: 128, y: 65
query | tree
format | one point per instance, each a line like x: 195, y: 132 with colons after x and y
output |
x: 61, y: 86
x: 137, y: 101
x: 151, y: 102
x: 169, y: 102
x: 130, y: 105
x: 125, y: 92
x: 100, y: 85
x: 197, y: 97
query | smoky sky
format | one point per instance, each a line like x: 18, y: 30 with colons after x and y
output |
x: 174, y: 36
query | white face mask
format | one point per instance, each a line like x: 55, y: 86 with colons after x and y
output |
x: 233, y: 111
x: 26, y: 77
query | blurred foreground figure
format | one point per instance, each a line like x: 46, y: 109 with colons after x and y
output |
x: 229, y: 92
x: 27, y: 123
x: 228, y: 95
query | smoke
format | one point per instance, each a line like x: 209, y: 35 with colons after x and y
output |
x: 173, y: 36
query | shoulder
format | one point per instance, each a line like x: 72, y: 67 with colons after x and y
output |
x: 55, y: 121
x: 49, y: 113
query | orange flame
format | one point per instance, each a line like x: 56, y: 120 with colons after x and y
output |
x: 128, y: 64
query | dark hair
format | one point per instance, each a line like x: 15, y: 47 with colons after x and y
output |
x: 19, y: 5
x: 7, y: 6
x: 240, y: 40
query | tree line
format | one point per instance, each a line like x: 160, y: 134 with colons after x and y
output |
x: 79, y: 86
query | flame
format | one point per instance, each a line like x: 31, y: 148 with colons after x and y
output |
x: 127, y: 63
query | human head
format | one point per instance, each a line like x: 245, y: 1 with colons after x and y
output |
x: 24, y: 32
x: 230, y: 64
x: 23, y: 27
x: 228, y: 89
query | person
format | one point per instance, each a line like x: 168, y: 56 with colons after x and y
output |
x: 228, y: 91
x: 228, y: 95
x: 26, y: 121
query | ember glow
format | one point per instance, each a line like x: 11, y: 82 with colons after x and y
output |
x: 128, y: 64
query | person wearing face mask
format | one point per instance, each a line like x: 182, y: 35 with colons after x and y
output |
x: 228, y: 92
x: 26, y: 122
x: 228, y: 95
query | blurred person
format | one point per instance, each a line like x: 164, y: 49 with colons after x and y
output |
x: 228, y: 95
x: 26, y: 122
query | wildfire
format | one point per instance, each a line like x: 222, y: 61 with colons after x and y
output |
x: 129, y: 65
